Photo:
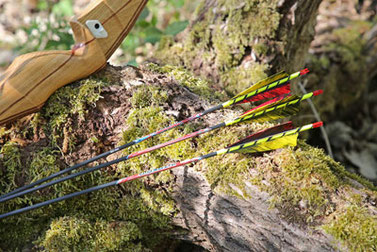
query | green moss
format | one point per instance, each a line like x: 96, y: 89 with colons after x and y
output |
x: 68, y: 102
x: 221, y: 39
x: 150, y: 95
x: 300, y: 178
x: 260, y: 49
x: 240, y: 78
x: 308, y: 176
x: 134, y: 218
x: 141, y: 122
x: 43, y: 164
x: 11, y: 158
x: 77, y: 234
x: 186, y: 79
x: 355, y: 227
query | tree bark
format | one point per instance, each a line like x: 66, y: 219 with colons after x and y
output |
x: 235, y: 44
x: 219, y: 222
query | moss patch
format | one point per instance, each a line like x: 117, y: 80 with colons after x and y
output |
x: 356, y: 227
x: 187, y: 79
x: 107, y: 220
x: 218, y: 44
x: 342, y: 63
x: 70, y: 102
x: 147, y: 117
x: 78, y: 234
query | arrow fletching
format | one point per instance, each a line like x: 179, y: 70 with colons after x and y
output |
x: 275, y: 92
x: 263, y: 83
x: 270, y: 87
x: 265, y: 133
x: 278, y: 108
x: 271, y: 142
x: 272, y: 145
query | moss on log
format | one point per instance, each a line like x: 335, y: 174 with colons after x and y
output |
x: 302, y: 190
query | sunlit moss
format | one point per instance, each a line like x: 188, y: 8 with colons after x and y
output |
x: 145, y: 96
x: 222, y: 38
x: 355, y: 227
x: 188, y: 80
x: 78, y: 234
x: 142, y: 120
x: 242, y: 77
x: 71, y: 101
x: 90, y: 218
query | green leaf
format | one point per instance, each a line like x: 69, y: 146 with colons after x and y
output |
x: 63, y: 8
x: 144, y: 14
x: 132, y: 63
x: 153, y: 35
x: 42, y: 5
x: 176, y: 27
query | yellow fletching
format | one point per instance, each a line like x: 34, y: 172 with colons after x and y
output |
x: 277, y: 114
x: 270, y: 105
x: 263, y: 83
x: 286, y: 141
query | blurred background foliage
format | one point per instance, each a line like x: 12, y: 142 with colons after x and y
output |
x: 45, y: 26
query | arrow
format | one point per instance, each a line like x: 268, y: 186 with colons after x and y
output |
x: 251, y: 144
x: 281, y: 108
x: 256, y: 92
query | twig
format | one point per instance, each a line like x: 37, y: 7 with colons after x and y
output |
x: 318, y: 118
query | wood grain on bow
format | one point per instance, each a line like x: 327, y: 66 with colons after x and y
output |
x: 32, y: 78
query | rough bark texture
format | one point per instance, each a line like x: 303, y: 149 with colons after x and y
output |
x: 232, y: 43
x: 218, y: 222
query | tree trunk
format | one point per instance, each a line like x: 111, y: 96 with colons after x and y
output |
x: 235, y: 44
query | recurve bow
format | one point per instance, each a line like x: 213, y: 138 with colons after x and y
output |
x: 32, y: 78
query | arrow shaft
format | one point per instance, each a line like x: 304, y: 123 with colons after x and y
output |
x: 108, y: 153
x: 141, y: 139
x: 171, y: 142
x: 164, y: 168
x: 98, y: 167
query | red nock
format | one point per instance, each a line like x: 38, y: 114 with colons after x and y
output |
x: 305, y: 71
x: 318, y: 92
x: 317, y: 125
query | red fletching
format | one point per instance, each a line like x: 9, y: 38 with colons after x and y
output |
x: 305, y: 71
x: 279, y: 98
x: 285, y: 89
x: 265, y: 133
